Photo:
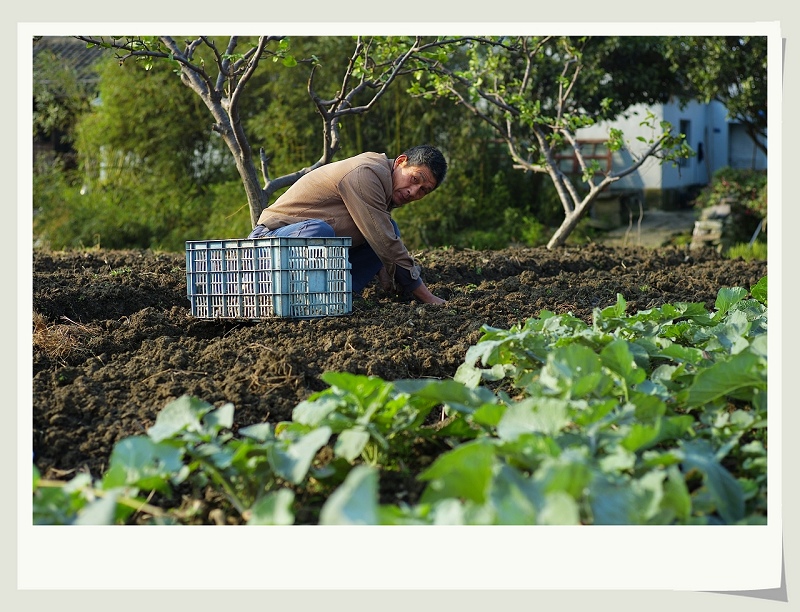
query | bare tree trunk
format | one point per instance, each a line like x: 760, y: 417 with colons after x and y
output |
x: 257, y: 198
x: 567, y: 227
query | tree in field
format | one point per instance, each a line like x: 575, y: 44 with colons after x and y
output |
x: 537, y: 92
x: 219, y: 74
x: 60, y: 96
x: 729, y: 69
x: 147, y: 172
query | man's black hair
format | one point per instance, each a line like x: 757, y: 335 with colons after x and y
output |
x: 430, y: 156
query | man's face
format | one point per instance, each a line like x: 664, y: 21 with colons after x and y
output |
x: 410, y: 183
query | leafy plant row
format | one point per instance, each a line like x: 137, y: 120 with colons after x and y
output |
x: 654, y: 418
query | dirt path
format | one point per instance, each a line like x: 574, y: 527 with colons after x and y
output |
x: 656, y: 228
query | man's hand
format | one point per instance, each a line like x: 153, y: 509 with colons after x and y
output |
x: 423, y: 294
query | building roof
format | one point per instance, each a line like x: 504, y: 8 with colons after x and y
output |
x: 74, y: 52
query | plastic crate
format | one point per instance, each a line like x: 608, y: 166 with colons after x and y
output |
x: 269, y: 277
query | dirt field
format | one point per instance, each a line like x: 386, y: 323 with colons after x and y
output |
x: 114, y: 341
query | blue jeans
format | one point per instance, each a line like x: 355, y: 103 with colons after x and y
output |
x: 364, y: 263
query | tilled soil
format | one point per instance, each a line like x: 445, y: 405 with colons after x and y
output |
x: 114, y: 340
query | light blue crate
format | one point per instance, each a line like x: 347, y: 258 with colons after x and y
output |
x: 269, y: 277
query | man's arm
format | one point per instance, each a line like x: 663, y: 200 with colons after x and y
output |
x: 367, y: 201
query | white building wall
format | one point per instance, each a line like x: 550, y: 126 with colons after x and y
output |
x: 693, y: 121
x: 648, y: 176
x: 707, y: 126
x: 742, y: 151
x: 716, y: 136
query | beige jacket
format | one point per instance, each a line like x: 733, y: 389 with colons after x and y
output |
x: 354, y: 196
